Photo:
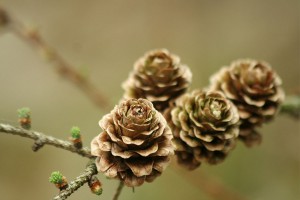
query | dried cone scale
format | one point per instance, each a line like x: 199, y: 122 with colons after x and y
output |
x: 159, y: 77
x: 256, y: 91
x: 135, y: 145
x: 205, y: 127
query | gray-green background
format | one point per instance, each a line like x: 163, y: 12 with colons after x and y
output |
x: 103, y: 39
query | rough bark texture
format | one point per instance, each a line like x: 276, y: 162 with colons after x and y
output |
x: 78, y: 182
x: 43, y: 139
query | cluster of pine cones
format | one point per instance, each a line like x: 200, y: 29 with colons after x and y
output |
x: 158, y: 117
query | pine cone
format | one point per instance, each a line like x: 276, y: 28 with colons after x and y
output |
x: 159, y: 77
x: 135, y: 145
x: 250, y: 137
x: 256, y: 91
x: 205, y: 127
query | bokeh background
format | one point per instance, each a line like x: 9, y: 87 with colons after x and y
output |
x: 103, y: 39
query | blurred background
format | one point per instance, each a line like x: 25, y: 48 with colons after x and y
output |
x: 103, y: 39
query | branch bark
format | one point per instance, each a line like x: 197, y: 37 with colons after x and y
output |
x: 213, y: 188
x: 119, y: 190
x: 89, y: 171
x: 45, y: 139
x: 210, y: 186
x: 291, y: 106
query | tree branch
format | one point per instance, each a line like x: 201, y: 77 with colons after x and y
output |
x: 291, y: 106
x: 78, y: 182
x: 211, y: 186
x: 45, y: 139
x: 119, y: 190
x: 34, y: 39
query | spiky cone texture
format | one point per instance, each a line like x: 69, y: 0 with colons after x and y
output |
x: 159, y: 77
x: 135, y: 145
x: 205, y: 127
x: 255, y: 88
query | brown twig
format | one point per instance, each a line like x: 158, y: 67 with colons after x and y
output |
x: 119, y: 190
x: 211, y: 186
x: 45, y: 139
x: 89, y: 171
x: 34, y: 39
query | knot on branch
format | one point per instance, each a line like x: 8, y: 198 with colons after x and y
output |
x: 39, y: 143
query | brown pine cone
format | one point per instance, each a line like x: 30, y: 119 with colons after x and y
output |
x: 256, y: 91
x: 159, y: 77
x: 250, y: 137
x: 135, y: 145
x: 205, y: 127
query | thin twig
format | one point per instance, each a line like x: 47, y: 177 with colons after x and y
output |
x: 78, y: 182
x: 211, y: 186
x: 291, y: 106
x: 45, y: 139
x: 34, y: 39
x: 119, y: 189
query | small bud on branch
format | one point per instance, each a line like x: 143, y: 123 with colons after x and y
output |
x: 59, y: 180
x: 24, y: 118
x: 76, y: 137
x: 95, y: 185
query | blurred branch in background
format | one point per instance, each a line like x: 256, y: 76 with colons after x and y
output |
x: 211, y: 186
x: 118, y: 191
x: 34, y: 39
x: 291, y: 106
